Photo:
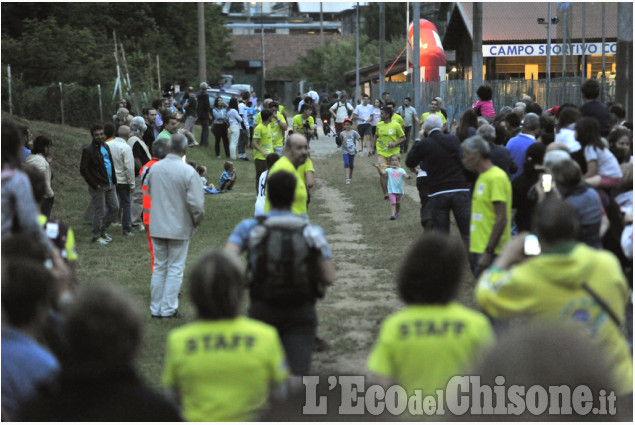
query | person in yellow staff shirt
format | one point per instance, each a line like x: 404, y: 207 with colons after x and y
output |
x: 388, y: 136
x: 262, y: 143
x: 567, y: 283
x: 278, y: 127
x: 295, y: 154
x: 434, y: 337
x: 222, y: 367
x: 303, y: 123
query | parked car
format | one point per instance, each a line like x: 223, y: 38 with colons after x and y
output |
x: 243, y: 87
x: 224, y: 94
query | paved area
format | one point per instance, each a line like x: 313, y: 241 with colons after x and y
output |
x: 324, y: 145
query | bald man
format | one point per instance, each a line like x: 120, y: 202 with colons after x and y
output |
x: 295, y: 154
x: 123, y: 163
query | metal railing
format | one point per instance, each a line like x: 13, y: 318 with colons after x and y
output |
x: 457, y: 95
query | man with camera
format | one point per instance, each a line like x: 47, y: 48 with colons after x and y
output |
x: 564, y: 281
x: 303, y: 123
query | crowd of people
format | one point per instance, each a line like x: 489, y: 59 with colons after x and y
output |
x: 564, y: 174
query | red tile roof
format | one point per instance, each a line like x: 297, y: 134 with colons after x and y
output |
x: 280, y: 49
x: 516, y: 21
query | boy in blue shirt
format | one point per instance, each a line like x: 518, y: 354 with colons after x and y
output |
x: 228, y: 178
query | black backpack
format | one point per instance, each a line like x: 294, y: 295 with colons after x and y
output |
x: 287, y: 270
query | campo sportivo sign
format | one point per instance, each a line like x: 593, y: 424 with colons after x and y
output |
x: 505, y: 50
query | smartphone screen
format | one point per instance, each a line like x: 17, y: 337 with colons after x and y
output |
x: 532, y: 246
x: 546, y: 182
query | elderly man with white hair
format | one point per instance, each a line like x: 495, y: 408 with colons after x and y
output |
x: 178, y: 207
x: 440, y: 156
x: 490, y: 223
x: 141, y: 154
x: 121, y: 119
x: 499, y: 155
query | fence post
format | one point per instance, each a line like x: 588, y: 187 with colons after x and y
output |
x: 9, y: 81
x: 101, y: 108
x: 62, y: 102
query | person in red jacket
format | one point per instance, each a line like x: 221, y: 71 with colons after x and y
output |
x: 159, y: 151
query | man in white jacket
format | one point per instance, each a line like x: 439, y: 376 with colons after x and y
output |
x: 123, y: 163
x: 178, y: 207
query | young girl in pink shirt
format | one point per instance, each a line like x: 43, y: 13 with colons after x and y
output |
x: 484, y: 107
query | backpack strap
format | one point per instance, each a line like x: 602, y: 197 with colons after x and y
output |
x: 602, y: 304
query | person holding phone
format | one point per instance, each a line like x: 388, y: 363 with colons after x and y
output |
x: 568, y: 283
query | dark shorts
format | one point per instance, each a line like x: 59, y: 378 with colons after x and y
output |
x: 364, y: 130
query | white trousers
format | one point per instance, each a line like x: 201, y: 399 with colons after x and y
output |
x: 167, y: 276
x: 234, y: 133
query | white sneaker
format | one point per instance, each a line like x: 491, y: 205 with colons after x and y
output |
x: 348, y: 181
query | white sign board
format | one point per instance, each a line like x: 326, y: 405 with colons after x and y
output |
x: 507, y: 50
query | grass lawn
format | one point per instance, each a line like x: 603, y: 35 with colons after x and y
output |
x: 367, y: 247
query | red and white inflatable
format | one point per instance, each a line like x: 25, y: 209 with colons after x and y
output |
x: 431, y: 53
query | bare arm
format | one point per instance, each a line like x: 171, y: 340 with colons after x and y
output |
x: 310, y: 181
x: 500, y: 209
x: 256, y: 146
x: 382, y: 171
x: 234, y: 248
x: 591, y: 169
x: 328, y: 271
x: 283, y: 124
x: 397, y: 143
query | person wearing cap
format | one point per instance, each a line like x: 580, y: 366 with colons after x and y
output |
x: 203, y: 110
x: 388, y: 137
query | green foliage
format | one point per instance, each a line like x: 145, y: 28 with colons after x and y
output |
x: 326, y: 66
x: 81, y: 104
x: 73, y: 42
x: 395, y: 20
x: 49, y: 52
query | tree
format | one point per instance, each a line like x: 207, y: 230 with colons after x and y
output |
x: 73, y: 42
x: 395, y: 20
x: 47, y: 52
x: 326, y: 66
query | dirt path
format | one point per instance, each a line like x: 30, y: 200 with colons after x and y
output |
x: 348, y: 314
x: 351, y: 333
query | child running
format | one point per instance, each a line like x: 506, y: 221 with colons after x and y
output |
x: 395, y: 174
x: 349, y: 148
x: 228, y: 178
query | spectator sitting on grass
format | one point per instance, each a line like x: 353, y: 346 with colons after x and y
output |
x: 228, y: 178
x: 202, y: 171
